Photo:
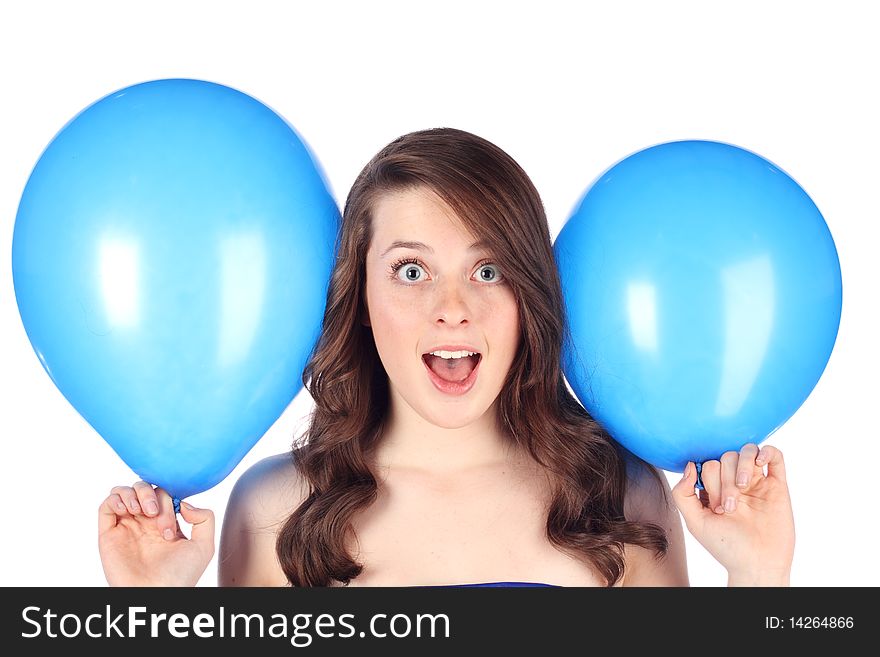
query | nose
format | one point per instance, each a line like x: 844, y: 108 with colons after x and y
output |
x: 452, y: 307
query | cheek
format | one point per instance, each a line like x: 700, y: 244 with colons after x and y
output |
x: 506, y: 314
x: 393, y: 318
x: 394, y: 308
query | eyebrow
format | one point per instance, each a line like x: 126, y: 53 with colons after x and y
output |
x: 421, y: 246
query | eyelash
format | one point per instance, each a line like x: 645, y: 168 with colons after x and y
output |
x: 409, y: 260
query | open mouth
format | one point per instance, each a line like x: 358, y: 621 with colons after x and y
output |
x: 455, y: 368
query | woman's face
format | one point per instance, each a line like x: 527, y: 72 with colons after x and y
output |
x: 428, y: 288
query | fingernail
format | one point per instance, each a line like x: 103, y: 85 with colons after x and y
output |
x: 168, y: 534
x: 151, y: 507
x: 134, y: 506
x: 730, y: 505
x: 742, y: 479
x: 719, y: 509
x: 187, y: 505
x: 760, y: 458
x: 120, y: 506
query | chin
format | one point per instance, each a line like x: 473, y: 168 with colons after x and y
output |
x: 450, y: 413
x: 455, y: 422
x: 451, y: 417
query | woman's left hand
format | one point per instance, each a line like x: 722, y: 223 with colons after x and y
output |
x: 743, y: 517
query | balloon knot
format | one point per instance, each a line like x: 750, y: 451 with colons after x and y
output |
x: 699, y: 484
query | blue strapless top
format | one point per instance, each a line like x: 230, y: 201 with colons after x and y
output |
x: 500, y: 584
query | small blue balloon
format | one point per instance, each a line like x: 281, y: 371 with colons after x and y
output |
x: 170, y: 258
x: 703, y: 293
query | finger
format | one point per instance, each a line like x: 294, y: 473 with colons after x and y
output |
x: 729, y: 493
x: 111, y: 509
x: 166, y: 521
x: 129, y: 497
x: 147, y: 498
x: 772, y: 458
x: 685, y: 496
x: 747, y: 469
x: 711, y: 476
x: 202, y: 521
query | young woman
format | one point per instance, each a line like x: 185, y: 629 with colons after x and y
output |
x: 444, y: 447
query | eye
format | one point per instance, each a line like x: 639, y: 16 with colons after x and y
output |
x: 489, y: 273
x: 412, y: 270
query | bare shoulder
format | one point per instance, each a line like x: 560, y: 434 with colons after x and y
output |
x: 648, y: 495
x: 270, y: 488
x: 261, y: 501
x: 649, y: 500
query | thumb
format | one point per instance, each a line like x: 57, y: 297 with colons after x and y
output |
x: 202, y: 521
x: 685, y: 496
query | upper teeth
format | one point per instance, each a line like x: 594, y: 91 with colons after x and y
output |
x: 453, y: 354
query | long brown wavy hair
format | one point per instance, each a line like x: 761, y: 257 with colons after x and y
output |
x: 496, y: 202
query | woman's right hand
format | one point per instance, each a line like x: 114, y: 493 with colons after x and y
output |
x: 141, y: 543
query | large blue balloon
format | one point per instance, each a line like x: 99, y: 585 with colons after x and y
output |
x: 703, y: 292
x: 171, y: 255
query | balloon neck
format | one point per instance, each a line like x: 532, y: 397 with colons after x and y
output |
x: 699, y: 484
x: 176, y: 502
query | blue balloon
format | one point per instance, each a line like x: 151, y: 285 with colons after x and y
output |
x: 703, y: 292
x: 171, y: 255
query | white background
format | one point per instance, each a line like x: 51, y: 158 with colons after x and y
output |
x: 566, y: 91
